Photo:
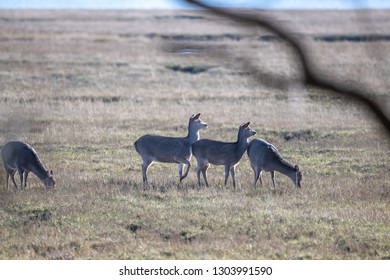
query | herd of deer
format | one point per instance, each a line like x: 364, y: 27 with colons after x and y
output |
x: 22, y: 158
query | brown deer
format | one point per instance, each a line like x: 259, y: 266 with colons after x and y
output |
x: 264, y: 156
x: 22, y: 158
x: 208, y: 152
x: 156, y: 148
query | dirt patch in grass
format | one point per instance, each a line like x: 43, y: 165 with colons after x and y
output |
x: 355, y: 38
x: 195, y: 69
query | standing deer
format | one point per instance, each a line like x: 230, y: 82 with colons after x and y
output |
x: 21, y: 157
x: 208, y: 152
x: 155, y: 148
x: 264, y: 156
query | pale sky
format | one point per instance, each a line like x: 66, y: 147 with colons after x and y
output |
x: 177, y: 4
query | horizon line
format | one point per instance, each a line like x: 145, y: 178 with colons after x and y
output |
x: 182, y: 5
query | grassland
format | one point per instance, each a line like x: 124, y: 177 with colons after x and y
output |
x: 82, y: 86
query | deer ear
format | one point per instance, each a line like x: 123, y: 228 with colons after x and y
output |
x: 196, y: 116
x: 245, y: 125
x: 296, y: 167
x: 51, y: 172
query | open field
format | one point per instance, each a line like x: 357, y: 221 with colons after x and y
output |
x: 82, y: 86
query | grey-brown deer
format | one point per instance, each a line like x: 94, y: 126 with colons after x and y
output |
x: 22, y: 158
x: 264, y: 156
x: 156, y: 148
x: 208, y: 152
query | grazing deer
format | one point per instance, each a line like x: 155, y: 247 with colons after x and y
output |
x: 169, y: 149
x: 208, y: 152
x: 264, y: 156
x: 21, y: 157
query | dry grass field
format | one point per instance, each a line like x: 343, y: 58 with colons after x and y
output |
x: 82, y: 86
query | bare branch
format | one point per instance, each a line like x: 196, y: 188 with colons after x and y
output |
x: 311, y: 78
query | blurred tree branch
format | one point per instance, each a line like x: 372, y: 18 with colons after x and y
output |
x: 310, y: 77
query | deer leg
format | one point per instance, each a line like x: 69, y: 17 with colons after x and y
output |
x: 257, y: 173
x: 13, y: 181
x: 204, y: 172
x: 21, y: 176
x: 145, y: 165
x: 273, y: 178
x: 198, y: 169
x: 12, y: 174
x: 180, y: 169
x: 226, y: 173
x: 6, y: 179
x: 232, y: 171
x: 25, y: 179
x: 261, y: 181
x: 187, y: 162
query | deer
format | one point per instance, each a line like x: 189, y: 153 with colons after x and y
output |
x: 20, y: 157
x: 264, y: 156
x: 156, y: 148
x: 229, y: 154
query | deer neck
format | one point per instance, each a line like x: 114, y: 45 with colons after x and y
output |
x: 242, y: 142
x: 38, y: 170
x: 193, y: 134
x: 287, y: 169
